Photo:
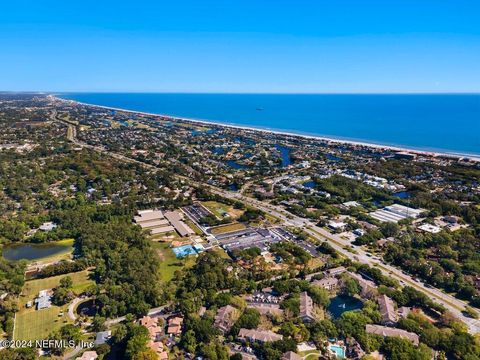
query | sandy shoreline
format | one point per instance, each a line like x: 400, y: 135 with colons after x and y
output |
x: 432, y: 153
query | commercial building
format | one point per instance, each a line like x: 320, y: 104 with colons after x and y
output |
x: 248, y: 238
x: 157, y: 222
x: 395, y: 213
x: 432, y: 229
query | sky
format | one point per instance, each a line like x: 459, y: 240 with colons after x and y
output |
x: 244, y: 46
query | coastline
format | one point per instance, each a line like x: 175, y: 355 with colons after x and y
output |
x: 397, y: 148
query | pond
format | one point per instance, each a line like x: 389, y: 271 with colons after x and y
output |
x: 87, y: 308
x: 333, y: 158
x: 402, y: 194
x: 284, y: 154
x: 16, y: 252
x: 203, y: 131
x: 342, y: 303
x: 219, y: 150
x: 235, y: 165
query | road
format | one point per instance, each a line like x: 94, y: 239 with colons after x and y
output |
x: 454, y: 305
x: 151, y: 312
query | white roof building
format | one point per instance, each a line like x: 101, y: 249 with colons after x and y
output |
x: 432, y: 229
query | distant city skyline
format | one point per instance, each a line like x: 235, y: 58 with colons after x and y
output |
x: 241, y: 46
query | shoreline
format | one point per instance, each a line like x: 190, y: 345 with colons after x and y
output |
x: 399, y: 148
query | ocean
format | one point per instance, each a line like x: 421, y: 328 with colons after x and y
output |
x: 443, y: 123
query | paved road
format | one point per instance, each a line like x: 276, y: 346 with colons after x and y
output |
x: 71, y: 307
x: 151, y: 312
x: 451, y: 303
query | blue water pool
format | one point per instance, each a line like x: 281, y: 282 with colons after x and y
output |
x: 338, y: 350
x: 185, y: 250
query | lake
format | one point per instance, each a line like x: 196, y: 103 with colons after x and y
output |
x: 342, y: 303
x: 16, y: 252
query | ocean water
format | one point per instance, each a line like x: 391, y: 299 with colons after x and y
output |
x: 448, y: 123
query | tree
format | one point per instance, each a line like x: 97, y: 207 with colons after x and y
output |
x: 137, y: 342
x: 189, y: 343
x: 319, y: 296
x: 66, y: 282
x: 148, y: 354
x: 350, y: 287
x: 389, y: 229
x: 98, y: 323
x: 402, y: 349
x: 248, y: 320
x: 18, y: 354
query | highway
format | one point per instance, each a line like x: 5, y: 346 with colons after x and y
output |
x: 454, y: 305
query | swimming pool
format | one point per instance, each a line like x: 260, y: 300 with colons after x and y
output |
x: 186, y: 250
x: 338, y: 350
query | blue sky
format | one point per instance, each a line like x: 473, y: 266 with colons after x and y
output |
x: 294, y: 46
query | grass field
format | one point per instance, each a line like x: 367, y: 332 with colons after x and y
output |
x: 169, y: 262
x: 221, y: 253
x: 219, y: 209
x: 227, y: 228
x: 31, y: 324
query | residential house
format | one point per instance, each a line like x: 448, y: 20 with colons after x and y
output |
x: 88, y: 355
x: 328, y: 283
x: 387, y: 309
x: 290, y: 355
x: 336, y: 271
x: 102, y: 337
x: 353, y: 349
x: 44, y: 300
x: 306, y: 308
x: 225, y: 318
x: 175, y: 325
x: 260, y: 336
x: 154, y: 331
x: 368, y: 288
x: 392, y: 332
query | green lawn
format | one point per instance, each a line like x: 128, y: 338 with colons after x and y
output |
x: 169, y: 262
x: 227, y: 228
x: 31, y: 324
x: 220, y: 209
x: 221, y: 253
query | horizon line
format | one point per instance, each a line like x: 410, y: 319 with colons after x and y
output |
x: 231, y: 93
